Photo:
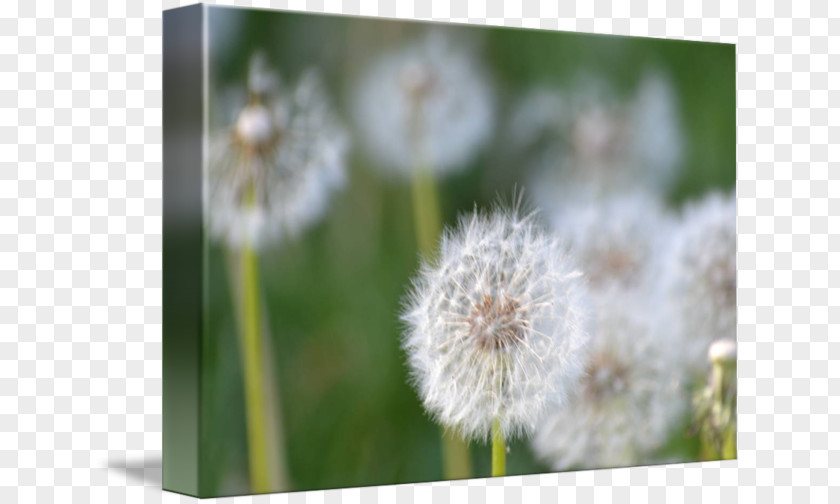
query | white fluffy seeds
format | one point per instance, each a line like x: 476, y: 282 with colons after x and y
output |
x: 274, y: 166
x: 495, y: 326
x: 587, y: 139
x: 701, y: 279
x: 427, y: 105
x: 619, y: 241
x: 629, y: 399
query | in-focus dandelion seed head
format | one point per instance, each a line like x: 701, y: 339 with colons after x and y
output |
x: 276, y: 158
x: 495, y: 326
x: 428, y: 104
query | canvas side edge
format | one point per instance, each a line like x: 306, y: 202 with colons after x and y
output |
x: 183, y: 245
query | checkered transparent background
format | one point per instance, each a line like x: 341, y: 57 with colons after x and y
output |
x: 80, y: 252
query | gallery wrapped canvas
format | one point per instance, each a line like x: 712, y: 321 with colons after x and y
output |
x: 401, y: 252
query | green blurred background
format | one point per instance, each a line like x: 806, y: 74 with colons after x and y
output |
x: 333, y: 297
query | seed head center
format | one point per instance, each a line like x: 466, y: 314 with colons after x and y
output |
x: 613, y: 264
x: 418, y: 81
x: 606, y: 376
x: 495, y: 323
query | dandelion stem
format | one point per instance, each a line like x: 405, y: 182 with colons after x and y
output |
x: 719, y: 427
x: 267, y: 469
x: 427, y: 220
x: 724, y: 377
x: 252, y: 364
x: 499, y: 449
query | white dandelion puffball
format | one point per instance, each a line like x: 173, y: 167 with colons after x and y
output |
x: 619, y: 241
x: 629, y: 400
x: 586, y: 136
x: 701, y: 282
x: 427, y: 105
x: 495, y: 326
x: 275, y: 163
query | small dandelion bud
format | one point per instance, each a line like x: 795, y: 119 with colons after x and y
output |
x: 494, y: 326
x: 722, y: 351
x: 715, y: 405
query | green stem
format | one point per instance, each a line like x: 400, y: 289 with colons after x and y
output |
x: 725, y: 397
x: 499, y: 450
x: 252, y: 366
x: 730, y: 451
x: 427, y: 220
x: 266, y: 465
x: 277, y: 469
x: 719, y: 429
x: 251, y: 320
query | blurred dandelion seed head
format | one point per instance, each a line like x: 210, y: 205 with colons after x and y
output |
x: 495, y: 325
x: 620, y: 241
x: 275, y: 159
x: 595, y: 133
x: 701, y: 280
x: 586, y: 137
x: 428, y: 104
x: 629, y: 399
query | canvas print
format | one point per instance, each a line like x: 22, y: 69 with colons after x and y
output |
x: 401, y: 252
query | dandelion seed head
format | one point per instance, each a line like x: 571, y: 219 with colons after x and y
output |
x: 701, y: 277
x: 495, y: 326
x: 275, y: 159
x: 587, y: 136
x: 429, y: 103
x: 629, y: 399
x: 620, y: 241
